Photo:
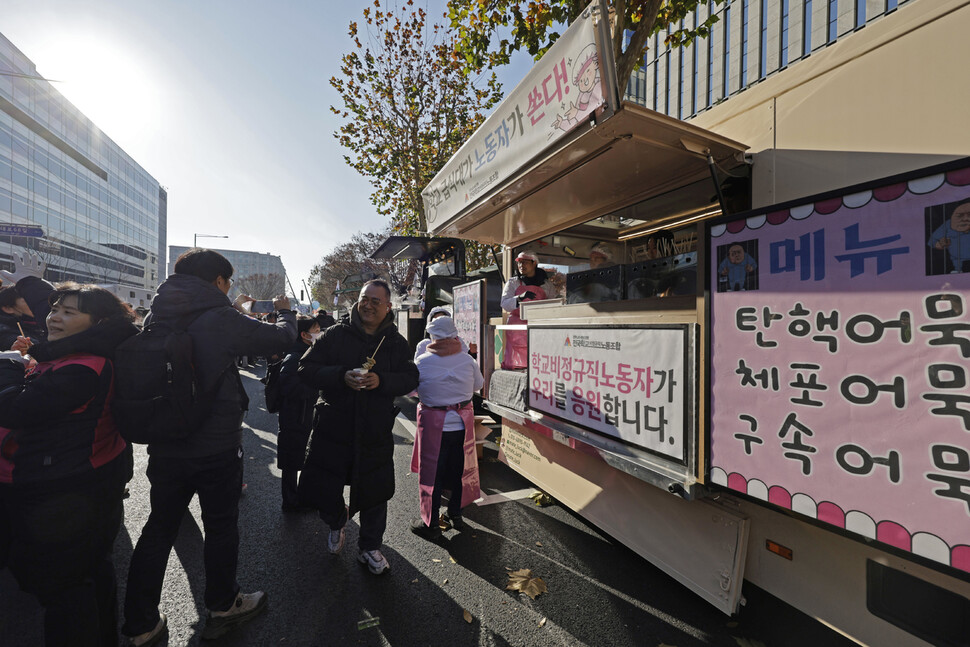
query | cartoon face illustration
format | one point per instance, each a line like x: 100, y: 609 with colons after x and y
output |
x: 736, y: 254
x: 586, y: 73
x: 960, y: 220
x: 588, y: 78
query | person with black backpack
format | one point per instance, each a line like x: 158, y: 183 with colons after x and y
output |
x: 294, y: 401
x: 209, y: 460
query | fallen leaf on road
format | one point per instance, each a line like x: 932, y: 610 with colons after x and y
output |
x: 539, y: 544
x: 414, y: 581
x: 446, y: 581
x: 436, y: 561
x: 466, y: 615
x: 542, y: 499
x: 522, y: 581
x: 452, y: 560
x: 542, y: 623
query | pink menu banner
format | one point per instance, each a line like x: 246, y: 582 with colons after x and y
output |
x: 840, y: 361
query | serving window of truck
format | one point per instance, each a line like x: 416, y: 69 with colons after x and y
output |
x: 771, y: 395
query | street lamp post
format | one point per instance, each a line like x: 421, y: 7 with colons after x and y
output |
x: 196, y: 237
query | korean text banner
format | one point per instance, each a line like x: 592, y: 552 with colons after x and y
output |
x: 559, y: 93
x: 840, y: 356
x: 467, y: 311
x: 626, y: 383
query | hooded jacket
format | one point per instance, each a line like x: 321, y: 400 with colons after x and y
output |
x: 352, y: 438
x: 55, y: 419
x: 35, y: 292
x: 219, y: 334
x: 296, y: 411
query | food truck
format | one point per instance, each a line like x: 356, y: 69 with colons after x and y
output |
x: 775, y: 395
x: 440, y: 270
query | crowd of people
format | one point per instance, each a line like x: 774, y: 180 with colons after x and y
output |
x: 64, y: 464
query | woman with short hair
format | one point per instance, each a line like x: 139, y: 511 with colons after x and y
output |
x: 63, y: 465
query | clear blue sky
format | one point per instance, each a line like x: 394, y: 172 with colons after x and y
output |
x: 226, y: 103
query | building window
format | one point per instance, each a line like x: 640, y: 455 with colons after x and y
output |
x: 727, y: 49
x: 693, y: 71
x: 833, y: 32
x: 784, y: 33
x: 763, y: 43
x: 710, y: 58
x: 667, y: 55
x: 860, y: 13
x: 680, y: 79
x: 744, y: 43
x: 807, y: 22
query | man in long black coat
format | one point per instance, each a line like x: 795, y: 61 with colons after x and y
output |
x: 352, y: 441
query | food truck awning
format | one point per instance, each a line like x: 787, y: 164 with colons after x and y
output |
x: 634, y: 155
x: 400, y: 248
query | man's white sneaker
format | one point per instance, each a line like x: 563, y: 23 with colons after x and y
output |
x: 245, y: 607
x: 150, y: 637
x: 374, y: 561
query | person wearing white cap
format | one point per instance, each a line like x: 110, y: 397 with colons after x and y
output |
x: 600, y: 256
x: 531, y: 284
x: 437, y: 311
x: 444, y: 445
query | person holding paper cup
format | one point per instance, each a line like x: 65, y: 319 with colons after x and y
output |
x: 359, y: 366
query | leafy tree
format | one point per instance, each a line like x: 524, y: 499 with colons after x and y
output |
x: 532, y: 25
x: 353, y: 258
x: 408, y: 105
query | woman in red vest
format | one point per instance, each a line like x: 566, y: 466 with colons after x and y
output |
x: 63, y: 465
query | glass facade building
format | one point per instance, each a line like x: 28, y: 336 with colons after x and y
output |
x: 751, y: 40
x: 103, y: 217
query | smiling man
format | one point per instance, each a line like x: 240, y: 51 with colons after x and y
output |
x: 359, y: 366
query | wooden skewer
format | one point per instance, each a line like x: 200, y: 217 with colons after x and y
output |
x: 19, y: 327
x: 376, y: 349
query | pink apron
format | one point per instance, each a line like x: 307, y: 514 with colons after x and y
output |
x: 517, y: 341
x: 427, y: 445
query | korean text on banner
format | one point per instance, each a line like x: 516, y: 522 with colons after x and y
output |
x: 559, y: 93
x: 626, y: 383
x: 840, y: 361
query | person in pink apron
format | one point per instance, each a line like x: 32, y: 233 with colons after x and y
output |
x: 531, y: 284
x: 444, y: 446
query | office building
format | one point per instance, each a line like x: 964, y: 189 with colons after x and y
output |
x: 68, y: 191
x: 826, y: 93
x: 259, y: 274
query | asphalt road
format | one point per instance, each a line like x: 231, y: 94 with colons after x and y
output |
x: 599, y: 593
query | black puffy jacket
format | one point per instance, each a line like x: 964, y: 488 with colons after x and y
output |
x: 352, y: 430
x: 296, y: 411
x: 55, y: 421
x: 220, y: 333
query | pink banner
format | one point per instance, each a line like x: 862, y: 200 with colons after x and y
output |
x: 841, y: 348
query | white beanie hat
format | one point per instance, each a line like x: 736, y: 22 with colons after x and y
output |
x: 442, y: 328
x: 445, y: 310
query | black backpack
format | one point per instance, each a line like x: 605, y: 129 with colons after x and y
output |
x: 157, y: 395
x: 274, y: 397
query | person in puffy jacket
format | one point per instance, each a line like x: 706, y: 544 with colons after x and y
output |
x: 63, y: 465
x: 23, y: 300
x: 296, y: 413
x: 352, y: 440
x: 209, y: 462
